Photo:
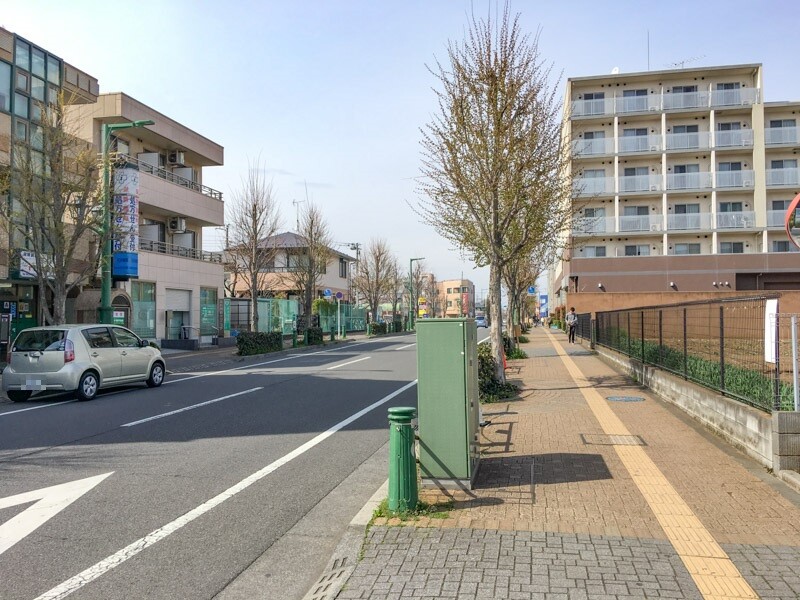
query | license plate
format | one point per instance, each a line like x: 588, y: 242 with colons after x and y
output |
x: 33, y: 385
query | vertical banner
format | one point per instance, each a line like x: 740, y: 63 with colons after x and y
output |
x: 465, y: 303
x: 125, y: 262
x: 543, y: 308
x: 770, y: 321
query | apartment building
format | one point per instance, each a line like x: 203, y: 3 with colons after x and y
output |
x: 681, y: 182
x: 457, y: 298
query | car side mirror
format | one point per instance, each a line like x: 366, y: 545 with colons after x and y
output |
x: 144, y: 343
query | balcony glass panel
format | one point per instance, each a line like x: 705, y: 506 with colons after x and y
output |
x: 734, y: 179
x: 686, y: 100
x: 740, y: 97
x: 781, y: 135
x: 689, y: 221
x: 688, y: 181
x: 584, y: 108
x: 592, y: 147
x: 590, y: 186
x: 736, y: 220
x: 591, y: 225
x: 736, y: 138
x: 640, y: 183
x: 776, y: 218
x: 640, y: 143
x: 687, y: 141
x: 640, y: 223
x: 783, y: 177
x: 629, y: 104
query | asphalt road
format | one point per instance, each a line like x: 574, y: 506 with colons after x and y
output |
x: 174, y: 492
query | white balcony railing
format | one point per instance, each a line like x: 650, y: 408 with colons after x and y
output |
x: 592, y: 225
x: 689, y: 221
x: 167, y: 175
x: 631, y: 104
x: 585, y: 108
x: 776, y: 218
x: 736, y: 220
x: 593, y: 147
x: 641, y: 223
x: 686, y: 100
x: 781, y: 135
x: 740, y: 138
x: 593, y: 186
x: 688, y: 141
x: 640, y: 143
x: 740, y: 97
x: 689, y: 181
x: 640, y: 183
x: 734, y: 179
x: 181, y: 251
x: 783, y: 176
x: 658, y: 102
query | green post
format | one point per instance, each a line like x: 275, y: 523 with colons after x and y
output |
x: 333, y: 334
x: 403, y: 494
x: 344, y: 330
x: 294, y: 338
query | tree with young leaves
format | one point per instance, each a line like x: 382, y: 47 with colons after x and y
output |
x: 374, y: 275
x: 493, y: 157
x: 521, y: 273
x: 55, y: 207
x: 254, y: 219
x: 398, y: 283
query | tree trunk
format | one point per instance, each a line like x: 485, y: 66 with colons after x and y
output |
x: 253, y: 305
x: 59, y: 303
x: 497, y: 320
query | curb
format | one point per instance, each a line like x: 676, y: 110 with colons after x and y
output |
x: 791, y: 478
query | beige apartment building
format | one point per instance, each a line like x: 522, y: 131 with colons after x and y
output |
x: 682, y: 181
x: 457, y: 298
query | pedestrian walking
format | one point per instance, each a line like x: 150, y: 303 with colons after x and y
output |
x: 572, y: 322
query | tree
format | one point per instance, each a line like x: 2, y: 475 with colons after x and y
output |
x: 55, y: 207
x: 313, y: 263
x: 253, y: 219
x: 418, y: 279
x: 493, y: 160
x: 519, y: 274
x: 374, y: 277
x: 398, y: 283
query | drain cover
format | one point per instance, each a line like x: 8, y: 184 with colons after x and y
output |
x: 602, y: 439
x: 625, y: 399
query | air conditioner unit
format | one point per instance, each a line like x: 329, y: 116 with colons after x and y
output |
x: 655, y: 226
x: 177, y: 224
x: 653, y: 188
x: 653, y: 148
x: 176, y: 158
x: 747, y: 183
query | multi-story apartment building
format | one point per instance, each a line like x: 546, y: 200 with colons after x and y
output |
x: 681, y: 183
x: 457, y: 298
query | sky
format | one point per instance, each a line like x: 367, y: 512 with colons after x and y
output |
x: 330, y: 96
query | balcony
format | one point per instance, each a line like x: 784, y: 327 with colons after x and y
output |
x: 689, y: 221
x: 634, y: 104
x: 776, y: 218
x: 640, y: 183
x: 589, y: 108
x: 168, y: 176
x: 688, y: 181
x: 734, y: 179
x: 639, y: 143
x: 180, y: 251
x: 776, y: 136
x: 741, y: 138
x: 688, y: 141
x: 686, y: 100
x: 732, y: 98
x: 592, y: 225
x: 641, y: 223
x: 781, y: 177
x: 593, y: 186
x: 736, y: 220
x: 598, y: 147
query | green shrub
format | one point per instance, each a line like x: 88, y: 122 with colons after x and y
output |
x: 489, y: 387
x: 314, y: 336
x: 377, y: 329
x: 249, y: 343
x: 516, y: 353
x: 523, y: 339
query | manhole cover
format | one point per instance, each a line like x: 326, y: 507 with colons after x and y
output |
x: 625, y: 399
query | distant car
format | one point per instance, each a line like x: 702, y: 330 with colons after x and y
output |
x: 480, y: 321
x: 80, y: 359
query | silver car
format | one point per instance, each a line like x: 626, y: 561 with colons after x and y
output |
x: 79, y: 359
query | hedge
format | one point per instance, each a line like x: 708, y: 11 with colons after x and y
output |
x: 249, y: 343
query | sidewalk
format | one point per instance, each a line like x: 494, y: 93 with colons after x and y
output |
x: 579, y: 496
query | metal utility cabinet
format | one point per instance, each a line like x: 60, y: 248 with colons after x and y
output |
x: 447, y: 401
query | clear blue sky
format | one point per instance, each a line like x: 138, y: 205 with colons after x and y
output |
x: 333, y: 93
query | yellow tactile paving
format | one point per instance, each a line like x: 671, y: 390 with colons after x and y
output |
x: 710, y: 567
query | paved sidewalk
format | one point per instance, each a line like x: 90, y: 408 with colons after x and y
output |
x: 582, y: 497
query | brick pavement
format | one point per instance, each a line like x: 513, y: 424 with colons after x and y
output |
x: 558, y: 510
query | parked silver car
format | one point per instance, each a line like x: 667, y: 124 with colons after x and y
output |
x: 79, y: 358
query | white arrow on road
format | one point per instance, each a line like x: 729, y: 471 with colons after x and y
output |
x: 51, y: 500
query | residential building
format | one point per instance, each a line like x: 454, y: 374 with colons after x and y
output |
x: 457, y: 298
x: 681, y: 183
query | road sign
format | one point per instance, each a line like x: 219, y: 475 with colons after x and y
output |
x: 339, y: 295
x: 531, y: 290
x: 327, y: 293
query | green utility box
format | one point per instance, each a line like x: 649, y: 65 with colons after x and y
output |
x: 447, y: 402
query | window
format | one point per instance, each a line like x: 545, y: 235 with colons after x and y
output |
x: 781, y: 205
x: 595, y: 251
x: 683, y: 169
x: 594, y: 213
x: 783, y: 164
x: 595, y: 103
x: 731, y: 247
x: 208, y: 311
x: 594, y: 173
x: 733, y: 126
x: 124, y: 338
x: 681, y: 249
x: 594, y: 135
x: 449, y: 304
x: 635, y: 211
x: 685, y: 129
x: 449, y: 290
x: 637, y: 250
x: 726, y: 207
x: 20, y: 130
x: 5, y: 86
x: 37, y: 88
x: 143, y: 313
x: 729, y: 86
x: 37, y: 62
x: 781, y: 246
x: 730, y: 166
x: 342, y: 268
x: 773, y: 123
x: 635, y: 171
x: 633, y: 100
x: 464, y: 289
x: 53, y: 70
x: 22, y: 81
x: 40, y: 339
x: 120, y: 146
x: 21, y: 105
x: 687, y: 209
x: 23, y: 55
x: 684, y: 89
x: 634, y: 132
x: 37, y: 138
x: 98, y: 337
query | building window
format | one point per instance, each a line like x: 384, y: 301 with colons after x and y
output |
x: 781, y: 205
x: 22, y: 81
x: 637, y: 250
x: 449, y: 304
x: 342, y: 268
x: 464, y: 289
x: 731, y: 247
x: 727, y: 207
x: 37, y: 62
x: 681, y: 249
x: 21, y: 105
x: 22, y: 55
x: 20, y: 130
x: 730, y: 166
x: 595, y: 251
x: 684, y: 89
x: 774, y: 123
x: 449, y: 290
x: 5, y: 86
x: 782, y: 246
x: 783, y: 164
x: 53, y: 70
x: 143, y: 319
x: 208, y: 311
x: 687, y: 209
x: 37, y: 89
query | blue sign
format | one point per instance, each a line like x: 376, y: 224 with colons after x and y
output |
x: 532, y: 290
x: 339, y: 295
x: 543, y: 308
x: 125, y: 265
x: 327, y: 293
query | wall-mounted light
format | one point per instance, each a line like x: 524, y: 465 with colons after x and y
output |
x: 727, y: 284
x: 672, y: 285
x: 600, y: 286
x: 715, y: 284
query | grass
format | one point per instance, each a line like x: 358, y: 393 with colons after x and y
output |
x: 440, y: 510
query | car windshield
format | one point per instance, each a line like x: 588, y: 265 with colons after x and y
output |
x: 40, y: 339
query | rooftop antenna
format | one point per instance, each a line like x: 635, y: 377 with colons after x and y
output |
x: 680, y: 64
x: 648, y: 49
x: 296, y: 204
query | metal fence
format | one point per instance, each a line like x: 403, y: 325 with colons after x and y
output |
x: 720, y: 344
x: 351, y: 318
x: 282, y: 315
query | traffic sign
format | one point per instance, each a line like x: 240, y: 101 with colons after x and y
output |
x: 327, y: 293
x: 531, y: 290
x: 339, y: 295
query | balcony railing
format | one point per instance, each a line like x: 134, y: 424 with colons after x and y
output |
x: 783, y: 176
x: 640, y: 183
x: 168, y: 176
x: 736, y: 220
x: 181, y: 251
x: 593, y: 147
x: 640, y: 143
x: 592, y: 186
x: 641, y: 223
x: 592, y: 225
x: 586, y: 108
x: 740, y: 138
x: 734, y: 179
x: 781, y: 135
x: 686, y: 100
x: 689, y: 181
x: 740, y: 97
x: 776, y: 218
x: 688, y: 141
x: 689, y: 221
x: 631, y: 104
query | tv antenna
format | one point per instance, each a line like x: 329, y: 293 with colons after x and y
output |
x: 296, y: 204
x: 680, y: 64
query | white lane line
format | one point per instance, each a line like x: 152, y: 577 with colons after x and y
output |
x: 404, y: 347
x: 13, y: 412
x: 192, y: 407
x: 73, y: 584
x: 348, y: 363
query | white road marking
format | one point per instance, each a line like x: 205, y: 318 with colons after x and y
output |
x: 349, y: 363
x: 13, y: 412
x: 51, y: 500
x: 81, y: 579
x: 192, y: 407
x: 404, y: 347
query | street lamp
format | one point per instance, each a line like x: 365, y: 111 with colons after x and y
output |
x: 105, y: 289
x: 412, y: 304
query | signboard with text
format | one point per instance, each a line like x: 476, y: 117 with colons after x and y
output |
x: 126, y: 223
x: 543, y: 308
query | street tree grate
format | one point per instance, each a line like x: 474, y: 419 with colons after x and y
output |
x: 602, y: 439
x: 625, y: 399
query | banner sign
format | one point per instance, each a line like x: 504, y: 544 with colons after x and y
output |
x: 126, y: 223
x: 543, y: 308
x: 465, y: 303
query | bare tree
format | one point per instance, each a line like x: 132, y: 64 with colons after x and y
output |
x: 317, y: 253
x: 432, y: 295
x: 398, y: 283
x: 253, y: 219
x: 418, y: 279
x: 374, y: 277
x: 54, y: 218
x: 493, y: 158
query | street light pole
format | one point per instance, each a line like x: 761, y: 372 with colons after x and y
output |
x: 412, y: 305
x: 104, y: 315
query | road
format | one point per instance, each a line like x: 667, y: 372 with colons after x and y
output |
x: 174, y: 492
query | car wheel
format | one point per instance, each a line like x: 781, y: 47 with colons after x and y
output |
x: 87, y: 386
x: 18, y: 395
x: 156, y: 375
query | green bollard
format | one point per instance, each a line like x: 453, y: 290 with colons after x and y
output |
x: 403, y: 494
x: 333, y: 334
x: 294, y: 338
